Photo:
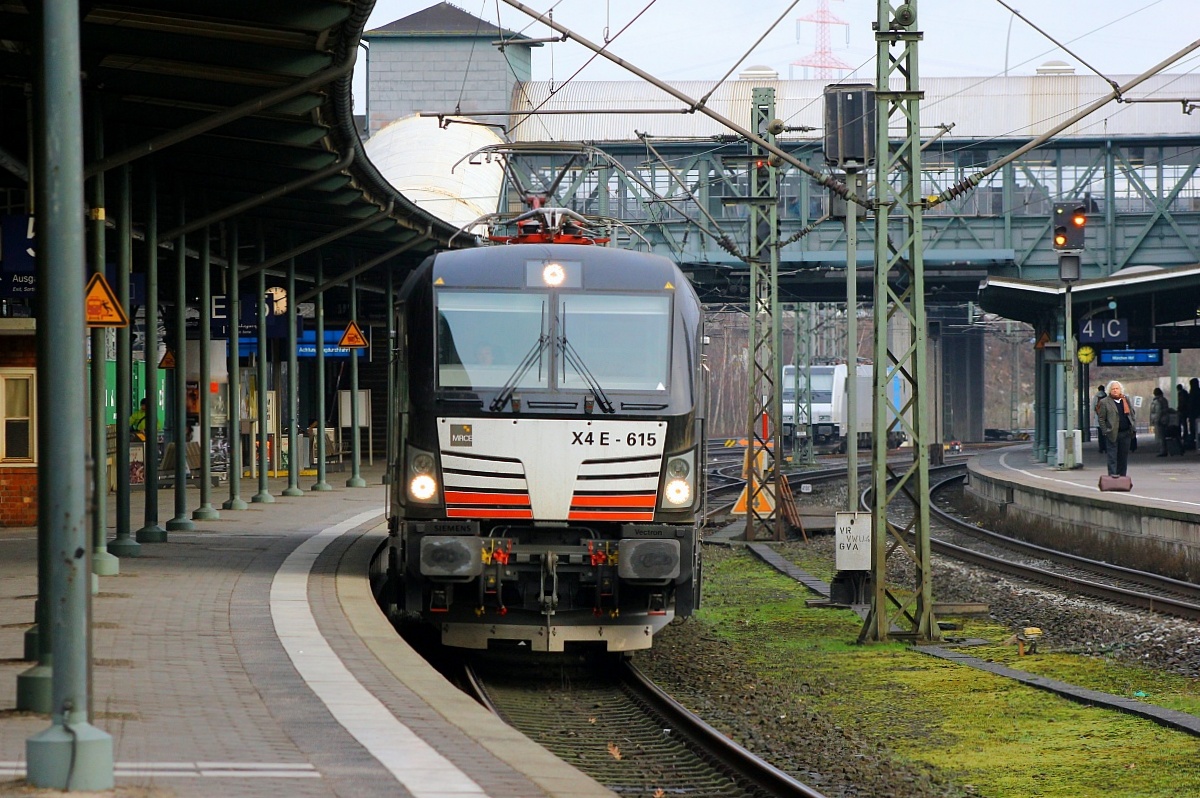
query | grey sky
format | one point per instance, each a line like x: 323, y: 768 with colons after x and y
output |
x: 702, y: 39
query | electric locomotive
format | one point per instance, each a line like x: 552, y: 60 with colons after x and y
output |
x: 548, y: 470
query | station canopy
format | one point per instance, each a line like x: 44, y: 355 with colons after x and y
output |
x: 1161, y: 306
x: 226, y: 103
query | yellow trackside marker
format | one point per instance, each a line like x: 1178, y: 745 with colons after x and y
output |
x: 764, y: 501
x: 101, y: 307
x: 353, y: 338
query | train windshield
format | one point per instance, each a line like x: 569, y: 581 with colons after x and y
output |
x: 484, y: 339
x: 623, y: 340
x: 822, y: 385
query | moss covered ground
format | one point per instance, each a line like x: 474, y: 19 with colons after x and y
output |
x: 990, y: 735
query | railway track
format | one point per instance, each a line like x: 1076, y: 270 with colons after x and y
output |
x: 620, y: 729
x: 953, y: 537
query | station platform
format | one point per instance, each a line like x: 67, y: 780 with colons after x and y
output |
x: 247, y: 658
x: 1155, y: 526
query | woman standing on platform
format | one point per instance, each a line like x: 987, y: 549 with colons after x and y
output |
x: 1116, y: 423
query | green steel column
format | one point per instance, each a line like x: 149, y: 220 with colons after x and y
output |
x: 71, y: 754
x: 205, y: 512
x: 320, y: 484
x: 1110, y: 207
x: 390, y: 449
x: 234, y: 400
x: 181, y: 522
x: 123, y: 545
x: 910, y: 611
x: 263, y: 461
x: 764, y: 368
x: 356, y: 480
x: 103, y: 563
x: 293, y: 388
x: 34, y: 692
x: 151, y: 532
x: 852, y: 397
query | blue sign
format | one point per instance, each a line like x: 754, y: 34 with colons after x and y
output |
x: 306, y: 345
x: 248, y: 324
x: 18, y: 256
x: 1104, y: 331
x: 1130, y: 357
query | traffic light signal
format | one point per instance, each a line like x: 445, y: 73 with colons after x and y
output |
x: 1068, y: 222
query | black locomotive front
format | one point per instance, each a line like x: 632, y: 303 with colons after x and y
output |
x: 549, y: 447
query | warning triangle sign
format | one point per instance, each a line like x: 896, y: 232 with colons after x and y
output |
x: 101, y: 306
x: 764, y: 502
x: 168, y: 360
x: 353, y: 338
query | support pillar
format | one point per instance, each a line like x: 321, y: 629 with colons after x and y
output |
x: 293, y: 387
x: 205, y: 512
x: 390, y: 447
x: 181, y: 522
x: 151, y: 532
x: 123, y: 545
x: 234, y: 399
x: 321, y: 484
x: 103, y: 563
x: 263, y: 460
x: 72, y: 753
x: 356, y: 480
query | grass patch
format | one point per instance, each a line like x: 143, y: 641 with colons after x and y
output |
x: 991, y: 735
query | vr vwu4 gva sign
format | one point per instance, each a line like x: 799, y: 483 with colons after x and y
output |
x: 852, y: 536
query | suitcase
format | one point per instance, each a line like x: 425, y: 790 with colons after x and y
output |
x: 1115, y: 483
x: 1174, y: 446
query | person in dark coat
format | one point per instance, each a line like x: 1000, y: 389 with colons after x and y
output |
x: 1182, y: 407
x: 1158, y: 420
x: 1194, y: 408
x: 1101, y: 393
x: 1117, y: 424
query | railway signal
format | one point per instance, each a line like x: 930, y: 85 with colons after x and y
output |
x: 1069, y: 221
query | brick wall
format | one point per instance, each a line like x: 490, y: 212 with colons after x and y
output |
x: 18, y: 484
x: 18, y: 496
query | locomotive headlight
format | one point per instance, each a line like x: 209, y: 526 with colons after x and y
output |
x: 678, y: 492
x: 422, y: 487
x: 422, y: 479
x: 553, y: 274
x: 679, y: 485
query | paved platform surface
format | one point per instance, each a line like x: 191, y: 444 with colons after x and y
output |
x: 247, y: 658
x: 1168, y: 483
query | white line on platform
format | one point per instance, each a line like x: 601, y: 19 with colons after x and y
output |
x: 1035, y: 475
x: 415, y: 764
x: 188, y: 770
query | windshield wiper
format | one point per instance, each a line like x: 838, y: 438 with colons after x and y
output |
x: 510, y: 385
x: 572, y: 357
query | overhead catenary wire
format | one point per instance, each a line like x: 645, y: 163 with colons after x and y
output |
x: 1062, y: 46
x: 825, y: 180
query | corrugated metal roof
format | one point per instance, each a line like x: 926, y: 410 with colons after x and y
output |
x: 978, y: 107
